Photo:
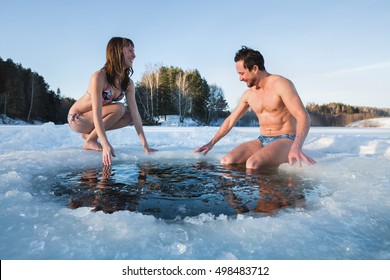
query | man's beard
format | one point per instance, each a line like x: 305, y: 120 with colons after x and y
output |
x: 251, y: 83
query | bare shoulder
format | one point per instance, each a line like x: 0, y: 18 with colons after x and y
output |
x: 97, y: 82
x: 282, y: 85
x: 130, y: 87
x: 278, y: 80
x: 99, y: 76
x: 130, y: 92
x: 245, y: 95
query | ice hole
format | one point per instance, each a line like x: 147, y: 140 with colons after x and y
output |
x: 175, y: 189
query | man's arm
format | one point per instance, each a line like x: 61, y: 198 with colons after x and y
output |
x: 226, y: 126
x: 294, y: 105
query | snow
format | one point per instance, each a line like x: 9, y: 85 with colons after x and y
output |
x: 346, y: 215
x: 375, y: 122
x: 173, y: 120
x: 4, y: 119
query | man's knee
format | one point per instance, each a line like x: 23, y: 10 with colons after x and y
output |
x: 223, y: 161
x: 226, y: 160
x: 255, y: 163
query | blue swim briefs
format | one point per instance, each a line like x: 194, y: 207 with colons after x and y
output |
x: 265, y: 140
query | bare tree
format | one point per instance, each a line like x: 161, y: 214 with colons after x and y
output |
x: 32, y: 96
x: 151, y: 81
x: 183, y: 98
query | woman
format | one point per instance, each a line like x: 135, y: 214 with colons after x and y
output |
x: 98, y: 110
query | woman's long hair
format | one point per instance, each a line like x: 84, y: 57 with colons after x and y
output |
x: 115, y: 67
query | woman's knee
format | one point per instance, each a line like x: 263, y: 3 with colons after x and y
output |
x: 114, y: 108
x: 120, y: 109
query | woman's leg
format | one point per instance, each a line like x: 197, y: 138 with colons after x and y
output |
x: 114, y: 116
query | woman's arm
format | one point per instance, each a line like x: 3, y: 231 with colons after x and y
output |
x: 95, y: 89
x: 137, y: 121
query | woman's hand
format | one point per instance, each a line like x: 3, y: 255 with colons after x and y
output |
x: 149, y: 150
x: 107, y: 152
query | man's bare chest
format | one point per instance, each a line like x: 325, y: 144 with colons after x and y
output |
x: 265, y: 103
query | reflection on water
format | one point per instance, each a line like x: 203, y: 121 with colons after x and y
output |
x: 170, y: 190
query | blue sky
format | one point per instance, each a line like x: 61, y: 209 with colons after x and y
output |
x: 333, y: 51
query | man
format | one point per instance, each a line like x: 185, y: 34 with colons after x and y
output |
x: 284, y: 122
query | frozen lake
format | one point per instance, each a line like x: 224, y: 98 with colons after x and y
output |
x: 57, y: 201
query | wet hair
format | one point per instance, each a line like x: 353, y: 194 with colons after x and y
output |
x: 115, y: 67
x: 250, y: 57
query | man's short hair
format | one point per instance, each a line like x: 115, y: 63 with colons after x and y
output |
x: 250, y: 57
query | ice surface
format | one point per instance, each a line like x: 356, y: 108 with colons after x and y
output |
x: 346, y: 216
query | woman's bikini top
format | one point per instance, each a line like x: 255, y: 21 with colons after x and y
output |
x: 108, y: 96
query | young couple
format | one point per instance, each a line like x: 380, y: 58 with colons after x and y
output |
x: 274, y: 99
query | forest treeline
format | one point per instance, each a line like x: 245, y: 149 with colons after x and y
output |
x: 339, y: 114
x: 171, y: 90
x: 161, y: 91
x: 25, y: 95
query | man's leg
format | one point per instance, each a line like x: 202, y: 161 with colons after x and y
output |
x: 241, y: 153
x: 273, y: 154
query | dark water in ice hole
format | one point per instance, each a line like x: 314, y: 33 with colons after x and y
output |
x: 177, y: 189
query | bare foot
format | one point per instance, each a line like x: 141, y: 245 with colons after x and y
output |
x: 85, y: 136
x: 92, y: 145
